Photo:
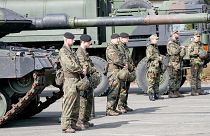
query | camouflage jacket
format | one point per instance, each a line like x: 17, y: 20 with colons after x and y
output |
x: 114, y: 56
x: 175, y: 52
x: 127, y: 58
x: 85, y: 60
x: 69, y: 61
x: 153, y: 56
x: 194, y: 50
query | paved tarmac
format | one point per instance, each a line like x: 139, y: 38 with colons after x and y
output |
x: 188, y: 116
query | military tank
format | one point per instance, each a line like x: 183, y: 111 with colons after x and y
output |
x: 25, y: 72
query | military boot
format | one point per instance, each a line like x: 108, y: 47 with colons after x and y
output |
x: 68, y: 130
x: 82, y: 125
x: 151, y: 97
x: 122, y: 109
x: 194, y: 93
x: 118, y: 112
x: 157, y: 96
x: 171, y: 95
x: 76, y: 127
x: 112, y: 113
x: 128, y: 109
x: 177, y: 93
x: 201, y: 92
x: 89, y: 124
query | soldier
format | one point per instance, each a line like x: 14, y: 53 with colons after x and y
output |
x: 195, y: 52
x: 86, y: 97
x: 114, y: 58
x: 154, y: 68
x: 72, y: 70
x: 175, y: 54
x: 122, y: 103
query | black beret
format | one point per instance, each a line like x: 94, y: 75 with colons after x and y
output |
x: 113, y: 36
x: 85, y: 38
x: 69, y: 35
x: 124, y: 35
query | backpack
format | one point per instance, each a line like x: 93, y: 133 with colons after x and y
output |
x: 59, y: 76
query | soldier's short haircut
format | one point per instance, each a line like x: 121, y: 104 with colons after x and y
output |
x: 198, y: 34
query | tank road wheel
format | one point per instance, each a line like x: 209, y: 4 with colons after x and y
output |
x: 141, y: 77
x: 5, y: 103
x: 100, y: 65
x: 21, y: 85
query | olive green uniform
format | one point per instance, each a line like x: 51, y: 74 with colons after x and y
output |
x: 71, y: 100
x: 125, y: 84
x: 154, y: 69
x: 86, y: 97
x: 114, y: 58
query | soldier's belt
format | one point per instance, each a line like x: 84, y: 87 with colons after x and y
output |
x: 71, y: 75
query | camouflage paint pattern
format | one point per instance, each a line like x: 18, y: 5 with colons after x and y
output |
x: 86, y: 97
x: 125, y: 85
x: 71, y: 99
x: 175, y: 55
x: 115, y: 61
x: 196, y: 65
x: 154, y: 69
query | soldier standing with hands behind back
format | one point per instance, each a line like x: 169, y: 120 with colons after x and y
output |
x: 72, y: 70
x: 154, y: 68
x: 175, y: 54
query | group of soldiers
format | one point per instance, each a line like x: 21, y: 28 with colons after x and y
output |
x: 78, y: 68
x: 175, y: 54
x: 120, y: 72
x: 78, y: 94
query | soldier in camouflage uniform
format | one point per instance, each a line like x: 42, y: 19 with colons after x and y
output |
x: 154, y: 68
x: 175, y: 54
x: 195, y: 49
x: 114, y: 58
x: 72, y: 70
x: 86, y: 97
x: 122, y: 103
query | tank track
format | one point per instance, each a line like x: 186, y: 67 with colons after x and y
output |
x: 49, y: 100
x: 37, y: 87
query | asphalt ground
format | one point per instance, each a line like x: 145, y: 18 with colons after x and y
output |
x: 188, y: 116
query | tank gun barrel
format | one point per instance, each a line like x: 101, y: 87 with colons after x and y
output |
x: 11, y: 22
x: 63, y: 21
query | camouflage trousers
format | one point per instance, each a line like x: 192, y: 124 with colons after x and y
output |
x: 175, y: 79
x: 86, y: 103
x: 196, y: 79
x: 153, y: 83
x: 113, y: 91
x: 70, y: 104
x: 123, y: 94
